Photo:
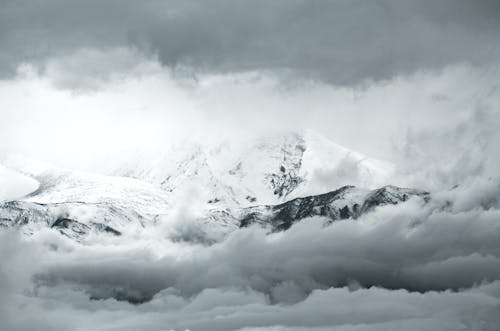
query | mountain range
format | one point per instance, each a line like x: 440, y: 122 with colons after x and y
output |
x: 273, y: 181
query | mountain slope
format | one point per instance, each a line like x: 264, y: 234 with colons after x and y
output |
x: 78, y: 204
x: 73, y: 219
x: 268, y: 170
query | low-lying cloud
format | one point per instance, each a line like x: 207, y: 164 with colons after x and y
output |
x: 404, y: 266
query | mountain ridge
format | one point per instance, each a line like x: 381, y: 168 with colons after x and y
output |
x: 266, y: 170
x: 276, y: 181
x: 78, y: 219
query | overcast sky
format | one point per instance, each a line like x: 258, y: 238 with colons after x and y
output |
x: 341, y: 42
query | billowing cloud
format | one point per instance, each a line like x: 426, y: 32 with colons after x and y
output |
x: 404, y: 266
x: 403, y: 246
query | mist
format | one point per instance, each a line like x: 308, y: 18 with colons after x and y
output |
x: 144, y: 108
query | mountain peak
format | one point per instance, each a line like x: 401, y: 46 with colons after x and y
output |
x: 264, y: 170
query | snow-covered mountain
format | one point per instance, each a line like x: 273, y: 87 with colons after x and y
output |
x: 78, y: 204
x: 78, y: 220
x: 347, y: 202
x: 267, y: 170
x: 274, y: 181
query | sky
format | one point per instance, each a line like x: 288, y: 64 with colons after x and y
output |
x: 86, y: 84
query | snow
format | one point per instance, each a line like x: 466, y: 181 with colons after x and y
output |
x: 212, y: 185
x: 143, y: 197
x: 266, y: 170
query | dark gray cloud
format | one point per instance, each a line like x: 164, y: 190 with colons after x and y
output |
x: 340, y: 41
x: 410, y: 247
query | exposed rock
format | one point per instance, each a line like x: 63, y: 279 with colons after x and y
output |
x: 346, y: 202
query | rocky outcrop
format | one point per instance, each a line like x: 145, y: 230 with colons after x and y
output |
x: 343, y: 203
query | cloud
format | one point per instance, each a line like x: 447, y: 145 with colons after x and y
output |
x: 458, y: 155
x: 342, y: 42
x: 406, y: 266
x: 406, y: 246
x: 15, y: 276
x: 238, y: 308
x: 123, y: 106
x: 14, y: 185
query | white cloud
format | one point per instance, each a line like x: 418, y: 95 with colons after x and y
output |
x: 128, y: 106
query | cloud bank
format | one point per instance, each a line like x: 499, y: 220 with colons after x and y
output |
x: 405, y: 266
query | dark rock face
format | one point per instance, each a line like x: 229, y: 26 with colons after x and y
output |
x: 75, y: 227
x: 389, y: 195
x: 343, y: 203
x: 17, y: 213
x: 70, y: 226
x: 286, y: 179
x: 106, y: 228
x: 284, y: 184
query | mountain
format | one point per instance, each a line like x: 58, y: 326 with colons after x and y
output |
x: 267, y: 170
x: 78, y: 204
x: 75, y: 220
x: 347, y: 202
x: 272, y: 181
x: 61, y: 186
x: 78, y: 220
